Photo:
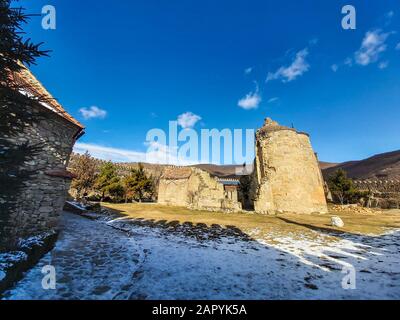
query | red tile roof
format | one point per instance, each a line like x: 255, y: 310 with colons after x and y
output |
x: 32, y: 86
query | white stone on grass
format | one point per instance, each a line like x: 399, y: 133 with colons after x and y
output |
x: 337, y: 222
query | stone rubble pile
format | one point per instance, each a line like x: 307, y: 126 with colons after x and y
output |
x: 354, y: 208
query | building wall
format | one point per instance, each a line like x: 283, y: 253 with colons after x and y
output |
x: 173, y: 192
x: 199, y: 191
x: 287, y: 176
x: 209, y: 193
x: 39, y: 203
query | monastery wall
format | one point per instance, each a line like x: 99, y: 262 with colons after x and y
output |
x: 173, y: 192
x: 194, y: 188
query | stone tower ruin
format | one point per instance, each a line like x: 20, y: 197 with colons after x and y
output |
x: 286, y: 177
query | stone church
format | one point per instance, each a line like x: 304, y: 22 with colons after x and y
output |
x: 286, y: 178
x: 37, y: 204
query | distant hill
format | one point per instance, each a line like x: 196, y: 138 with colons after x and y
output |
x: 381, y: 166
x: 225, y: 171
x: 325, y: 165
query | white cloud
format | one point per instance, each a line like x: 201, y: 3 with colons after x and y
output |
x: 188, y: 120
x: 372, y: 46
x: 108, y: 153
x: 388, y: 16
x: 248, y: 70
x: 383, y: 65
x: 93, y: 112
x: 348, y: 62
x: 272, y: 100
x: 334, y: 67
x: 298, y: 67
x: 160, y: 154
x: 250, y: 101
x: 398, y: 46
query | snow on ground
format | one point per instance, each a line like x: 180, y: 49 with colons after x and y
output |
x: 77, y: 205
x: 9, y: 259
x: 375, y: 259
x: 37, y: 240
x: 93, y: 261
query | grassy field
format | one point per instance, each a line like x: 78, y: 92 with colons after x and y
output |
x: 280, y: 225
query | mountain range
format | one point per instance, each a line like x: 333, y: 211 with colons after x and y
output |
x: 384, y: 166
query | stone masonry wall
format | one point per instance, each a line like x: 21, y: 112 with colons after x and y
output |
x: 173, y: 192
x: 40, y: 202
x: 287, y: 176
x: 199, y: 191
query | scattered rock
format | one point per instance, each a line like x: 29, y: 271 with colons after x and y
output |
x: 337, y: 222
x: 354, y: 208
x: 13, y: 264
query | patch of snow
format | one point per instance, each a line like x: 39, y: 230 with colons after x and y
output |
x: 285, y: 268
x: 95, y: 261
x: 91, y: 260
x: 77, y: 205
x: 10, y: 258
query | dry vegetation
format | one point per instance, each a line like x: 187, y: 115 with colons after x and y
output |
x: 282, y: 224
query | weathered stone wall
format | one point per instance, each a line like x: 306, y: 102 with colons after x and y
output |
x: 198, y: 190
x: 287, y: 177
x: 380, y: 193
x: 42, y: 196
x: 173, y: 192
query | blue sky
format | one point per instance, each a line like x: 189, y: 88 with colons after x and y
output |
x: 125, y: 68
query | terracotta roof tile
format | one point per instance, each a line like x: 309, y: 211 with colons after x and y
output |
x: 32, y: 86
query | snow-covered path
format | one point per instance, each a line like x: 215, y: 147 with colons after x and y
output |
x: 91, y: 260
x: 95, y: 261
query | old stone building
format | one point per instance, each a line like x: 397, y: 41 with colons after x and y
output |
x: 286, y: 178
x: 197, y: 189
x: 380, y: 193
x: 37, y: 203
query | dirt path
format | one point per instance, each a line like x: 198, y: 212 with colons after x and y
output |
x: 95, y: 261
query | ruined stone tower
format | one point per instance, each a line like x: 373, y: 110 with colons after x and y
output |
x: 287, y: 177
